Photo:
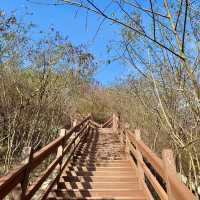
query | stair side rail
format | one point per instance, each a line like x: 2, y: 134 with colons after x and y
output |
x: 16, y: 182
x: 170, y: 188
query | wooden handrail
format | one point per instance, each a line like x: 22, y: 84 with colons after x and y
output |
x: 108, y: 122
x: 95, y: 124
x: 152, y: 158
x: 179, y: 191
x: 8, y: 182
x: 63, y: 167
x: 158, y: 188
x: 16, y: 176
x: 51, y: 167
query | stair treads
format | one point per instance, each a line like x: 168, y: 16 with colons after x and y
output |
x: 54, y: 197
x: 99, y: 169
x: 93, y: 168
x: 114, y: 161
x: 98, y: 185
x: 100, y: 173
x: 98, y: 164
x: 100, y: 193
x: 99, y: 178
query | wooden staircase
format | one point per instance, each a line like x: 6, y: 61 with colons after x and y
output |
x: 96, y: 161
x: 99, y: 170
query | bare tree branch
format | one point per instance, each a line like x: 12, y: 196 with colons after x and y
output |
x: 154, y: 23
x: 179, y: 14
x: 145, y: 10
x: 137, y: 31
x: 185, y: 24
x: 98, y: 11
x: 131, y: 18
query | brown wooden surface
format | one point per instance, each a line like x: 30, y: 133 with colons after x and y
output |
x: 8, y: 182
x: 178, y: 189
x: 36, y: 185
x: 160, y: 191
x: 63, y: 167
x: 170, y: 167
x: 52, y: 166
x: 152, y: 158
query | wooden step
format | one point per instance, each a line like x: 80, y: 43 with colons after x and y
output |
x: 105, y: 164
x: 99, y: 179
x: 95, y: 152
x: 100, y: 173
x: 102, y: 147
x: 92, y: 155
x: 98, y: 185
x: 99, y: 170
x: 112, y: 161
x: 95, y: 193
x: 95, y: 158
x: 105, y: 130
x: 112, y: 169
x: 52, y: 197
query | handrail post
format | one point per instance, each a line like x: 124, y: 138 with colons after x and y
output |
x: 74, y: 122
x: 19, y: 192
x: 139, y: 155
x: 115, y: 123
x: 60, y: 148
x: 121, y: 135
x: 60, y: 153
x: 74, y: 133
x: 170, y: 167
x: 127, y: 142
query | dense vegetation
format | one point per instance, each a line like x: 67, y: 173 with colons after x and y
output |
x: 42, y: 84
x: 46, y: 83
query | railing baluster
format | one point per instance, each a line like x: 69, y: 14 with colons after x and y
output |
x: 74, y: 135
x: 139, y: 155
x: 127, y: 141
x: 16, y: 182
x: 19, y: 192
x: 60, y: 153
x: 121, y: 135
x: 28, y: 155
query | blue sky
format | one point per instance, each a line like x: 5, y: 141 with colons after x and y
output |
x: 69, y: 24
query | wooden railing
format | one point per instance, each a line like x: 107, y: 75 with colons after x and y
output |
x: 171, y: 188
x: 108, y: 123
x: 17, y: 181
